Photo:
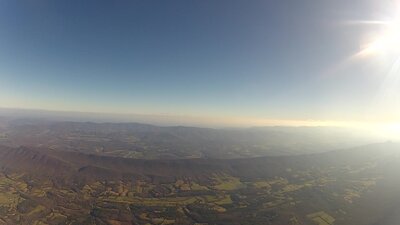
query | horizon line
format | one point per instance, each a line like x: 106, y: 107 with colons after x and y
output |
x: 184, y: 120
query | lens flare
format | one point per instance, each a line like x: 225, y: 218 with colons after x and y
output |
x: 387, y: 42
x: 382, y: 48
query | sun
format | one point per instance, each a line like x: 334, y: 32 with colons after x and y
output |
x: 387, y: 41
x: 381, y: 51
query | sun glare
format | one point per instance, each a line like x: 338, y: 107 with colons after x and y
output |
x: 382, y: 50
x: 387, y: 42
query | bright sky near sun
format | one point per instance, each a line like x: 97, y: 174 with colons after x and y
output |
x: 307, y: 60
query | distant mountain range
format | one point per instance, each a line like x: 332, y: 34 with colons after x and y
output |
x: 135, y: 140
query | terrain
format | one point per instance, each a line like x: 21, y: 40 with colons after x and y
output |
x: 45, y: 186
x: 55, y: 172
x: 143, y: 141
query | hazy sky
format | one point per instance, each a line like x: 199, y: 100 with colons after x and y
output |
x: 289, y: 60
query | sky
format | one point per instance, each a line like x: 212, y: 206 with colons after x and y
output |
x: 250, y: 60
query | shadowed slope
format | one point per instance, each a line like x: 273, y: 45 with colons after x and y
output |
x: 44, y: 162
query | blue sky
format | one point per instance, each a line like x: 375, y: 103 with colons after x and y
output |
x: 261, y: 59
